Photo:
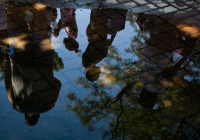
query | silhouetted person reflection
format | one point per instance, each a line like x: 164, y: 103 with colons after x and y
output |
x: 31, y: 87
x: 103, y: 27
x: 69, y: 25
x: 157, y: 72
x: 3, y: 23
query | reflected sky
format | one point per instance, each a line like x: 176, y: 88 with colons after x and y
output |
x: 99, y: 69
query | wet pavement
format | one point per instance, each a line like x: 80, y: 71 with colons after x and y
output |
x: 100, y: 69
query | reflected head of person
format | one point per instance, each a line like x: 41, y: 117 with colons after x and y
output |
x: 152, y: 81
x: 31, y: 119
x: 71, y: 44
x: 147, y: 99
x: 93, y: 73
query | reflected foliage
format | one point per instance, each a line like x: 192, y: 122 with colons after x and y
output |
x: 120, y: 115
x: 57, y: 61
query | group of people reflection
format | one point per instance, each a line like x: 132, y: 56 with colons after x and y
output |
x: 28, y: 55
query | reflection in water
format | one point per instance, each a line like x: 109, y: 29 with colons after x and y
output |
x: 68, y: 24
x: 29, y: 61
x: 158, y: 97
x: 101, y: 31
x: 163, y: 61
x: 154, y: 94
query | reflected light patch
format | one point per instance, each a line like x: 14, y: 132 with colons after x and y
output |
x: 39, y: 6
x: 192, y: 31
x: 167, y: 103
x: 45, y: 44
x: 106, y: 77
x: 103, y: 69
x: 108, y: 80
x: 56, y: 46
x: 19, y: 41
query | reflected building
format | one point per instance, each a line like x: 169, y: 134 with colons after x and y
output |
x: 28, y: 63
x: 101, y: 31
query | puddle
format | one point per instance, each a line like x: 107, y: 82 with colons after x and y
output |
x: 99, y: 70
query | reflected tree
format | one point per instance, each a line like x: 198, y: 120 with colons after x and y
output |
x: 57, y: 61
x: 114, y: 101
